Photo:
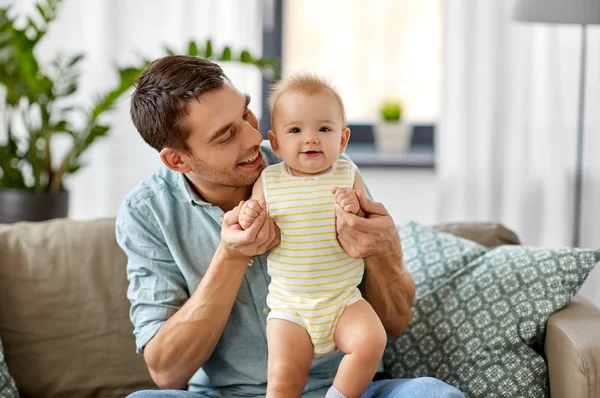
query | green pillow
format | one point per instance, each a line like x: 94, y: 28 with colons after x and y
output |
x: 8, y: 389
x: 482, y: 330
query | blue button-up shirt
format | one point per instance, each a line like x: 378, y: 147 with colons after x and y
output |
x: 169, y: 235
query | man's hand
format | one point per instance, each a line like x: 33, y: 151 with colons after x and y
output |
x: 261, y: 236
x: 389, y: 287
x: 375, y: 235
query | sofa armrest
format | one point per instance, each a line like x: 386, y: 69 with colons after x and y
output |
x: 573, y: 350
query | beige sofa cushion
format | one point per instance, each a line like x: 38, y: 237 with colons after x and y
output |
x: 64, y: 311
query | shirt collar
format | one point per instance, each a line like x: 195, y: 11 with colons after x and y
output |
x: 190, y: 192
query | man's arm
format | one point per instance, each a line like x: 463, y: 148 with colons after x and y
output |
x: 186, y: 340
x: 389, y: 287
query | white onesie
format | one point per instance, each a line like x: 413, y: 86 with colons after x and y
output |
x: 312, y: 278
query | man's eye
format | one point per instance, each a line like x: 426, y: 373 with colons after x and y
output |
x: 229, y: 137
x: 324, y: 128
x: 294, y: 130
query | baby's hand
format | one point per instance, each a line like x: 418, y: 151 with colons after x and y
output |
x: 248, y: 213
x: 346, y: 198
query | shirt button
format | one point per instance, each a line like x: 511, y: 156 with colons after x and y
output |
x: 265, y: 310
x: 220, y: 220
x: 251, y: 263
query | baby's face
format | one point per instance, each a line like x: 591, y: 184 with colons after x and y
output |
x: 308, y: 131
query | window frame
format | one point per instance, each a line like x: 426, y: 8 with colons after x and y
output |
x: 423, y: 139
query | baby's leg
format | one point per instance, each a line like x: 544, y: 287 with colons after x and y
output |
x: 248, y: 213
x: 290, y: 358
x: 360, y: 334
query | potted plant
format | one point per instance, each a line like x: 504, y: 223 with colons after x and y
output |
x: 39, y: 107
x: 391, y: 133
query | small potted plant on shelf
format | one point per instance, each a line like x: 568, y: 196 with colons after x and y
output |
x: 39, y: 107
x: 391, y: 133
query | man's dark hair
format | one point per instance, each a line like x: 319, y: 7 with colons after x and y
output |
x: 161, y: 93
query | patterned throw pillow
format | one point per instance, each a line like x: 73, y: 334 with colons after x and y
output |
x: 8, y: 389
x: 482, y: 330
x: 433, y: 257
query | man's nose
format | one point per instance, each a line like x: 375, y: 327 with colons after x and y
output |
x: 252, y: 137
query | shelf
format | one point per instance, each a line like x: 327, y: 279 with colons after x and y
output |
x: 367, y: 155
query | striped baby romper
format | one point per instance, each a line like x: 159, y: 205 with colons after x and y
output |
x: 312, y: 278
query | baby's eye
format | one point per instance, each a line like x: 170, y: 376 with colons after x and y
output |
x: 324, y: 128
x: 246, y: 114
x: 294, y: 130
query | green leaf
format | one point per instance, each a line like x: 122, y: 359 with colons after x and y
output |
x: 192, y: 49
x: 245, y: 57
x: 62, y: 126
x: 75, y: 60
x: 226, y: 55
x: 41, y: 11
x: 208, y: 51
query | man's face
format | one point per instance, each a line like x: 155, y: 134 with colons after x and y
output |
x: 309, y: 131
x: 224, y: 139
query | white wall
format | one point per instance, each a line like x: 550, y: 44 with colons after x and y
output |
x: 407, y: 193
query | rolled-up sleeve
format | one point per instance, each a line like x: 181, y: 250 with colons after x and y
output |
x: 157, y: 288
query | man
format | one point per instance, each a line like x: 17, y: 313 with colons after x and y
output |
x: 197, y: 280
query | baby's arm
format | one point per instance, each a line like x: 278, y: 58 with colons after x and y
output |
x: 253, y: 207
x: 347, y: 199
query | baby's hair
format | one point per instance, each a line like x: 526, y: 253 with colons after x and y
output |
x: 306, y: 83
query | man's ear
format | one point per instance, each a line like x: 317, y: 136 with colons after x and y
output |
x: 175, y: 160
x: 345, y: 139
x: 274, y: 142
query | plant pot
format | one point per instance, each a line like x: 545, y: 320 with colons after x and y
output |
x: 23, y: 205
x: 392, y: 137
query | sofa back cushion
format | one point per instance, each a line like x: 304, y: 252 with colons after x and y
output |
x: 64, y: 311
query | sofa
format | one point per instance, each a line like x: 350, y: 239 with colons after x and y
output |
x: 66, y: 332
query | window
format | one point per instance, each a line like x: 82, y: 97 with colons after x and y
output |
x: 371, y: 50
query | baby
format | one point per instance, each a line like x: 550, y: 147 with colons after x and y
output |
x: 315, y: 302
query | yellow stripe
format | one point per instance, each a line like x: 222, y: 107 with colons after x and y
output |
x: 307, y: 221
x: 309, y: 296
x: 310, y: 227
x: 308, y: 241
x: 334, y: 320
x: 304, y: 270
x: 322, y: 291
x: 311, y: 234
x: 327, y: 190
x: 306, y: 198
x: 294, y: 305
x: 296, y: 265
x: 320, y: 276
x: 312, y: 316
x: 273, y: 207
x: 342, y: 180
x: 306, y: 249
x: 320, y: 255
x: 306, y: 212
x: 314, y: 284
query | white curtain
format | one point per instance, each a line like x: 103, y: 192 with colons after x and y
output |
x: 506, y: 142
x: 115, y: 32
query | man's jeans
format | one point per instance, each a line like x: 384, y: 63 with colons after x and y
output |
x: 423, y: 387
